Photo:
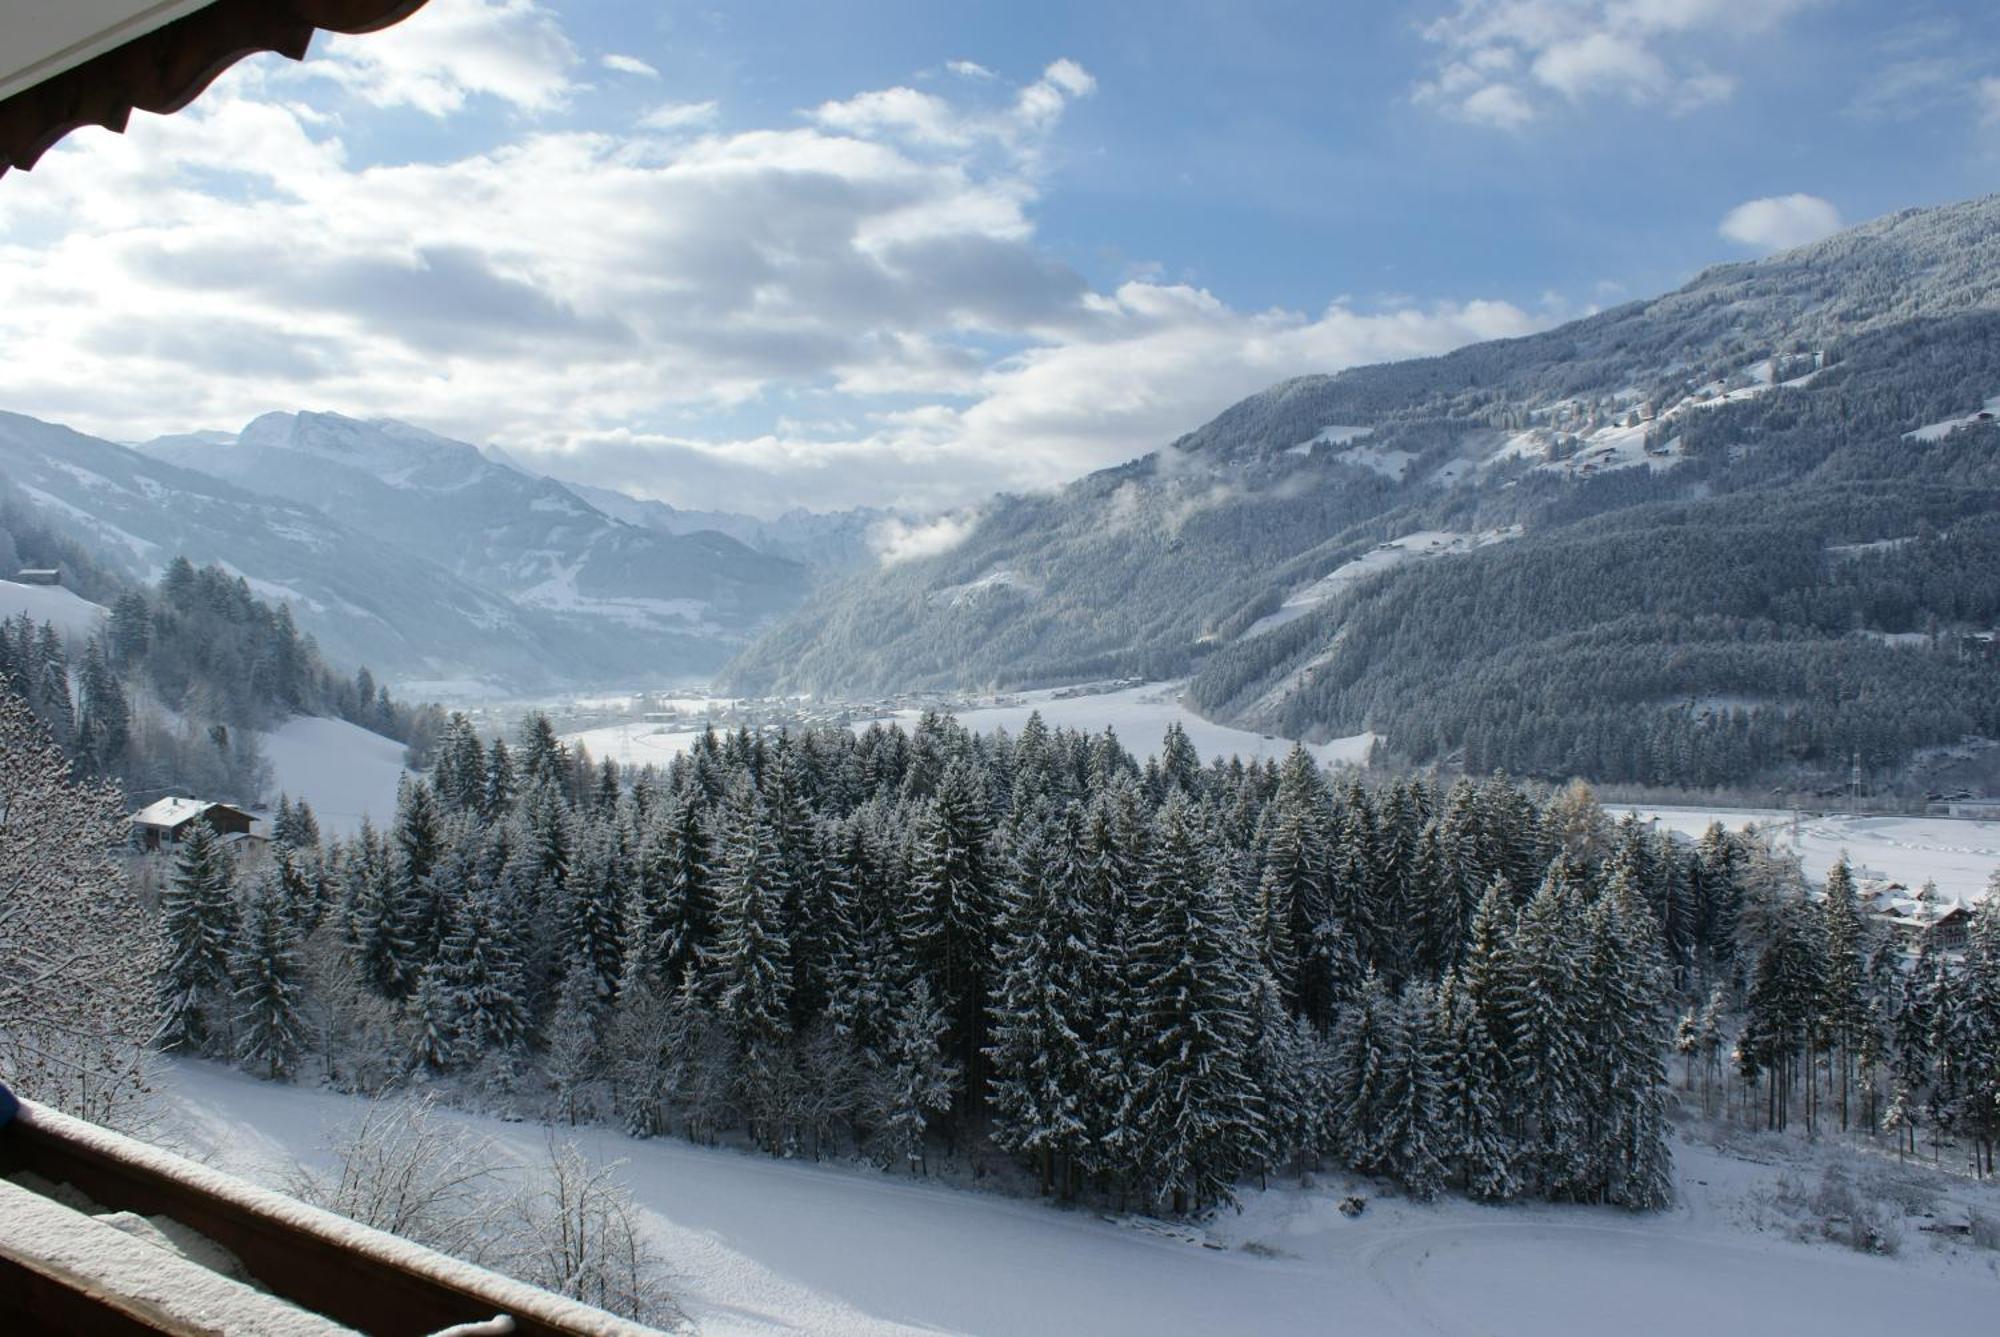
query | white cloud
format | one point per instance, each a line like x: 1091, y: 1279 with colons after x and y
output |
x: 926, y: 119
x: 624, y: 64
x: 968, y: 69
x: 612, y: 307
x: 895, y: 540
x: 1780, y: 222
x: 450, y: 50
x: 1502, y: 62
x: 679, y: 116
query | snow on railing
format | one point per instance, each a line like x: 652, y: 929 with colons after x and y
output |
x: 322, y: 1262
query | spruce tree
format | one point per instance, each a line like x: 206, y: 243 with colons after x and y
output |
x: 198, y: 919
x: 751, y: 974
x: 1042, y: 1007
x: 1195, y: 1101
x: 264, y: 961
x: 921, y: 1081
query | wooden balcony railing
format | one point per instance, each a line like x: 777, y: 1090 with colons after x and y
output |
x: 57, y: 1274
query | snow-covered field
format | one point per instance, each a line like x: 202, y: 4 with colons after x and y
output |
x: 75, y: 617
x: 1140, y: 715
x: 763, y: 1247
x: 342, y: 769
x: 1959, y: 855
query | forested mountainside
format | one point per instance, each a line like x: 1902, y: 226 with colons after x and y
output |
x: 394, y: 550
x: 162, y: 690
x: 1685, y: 541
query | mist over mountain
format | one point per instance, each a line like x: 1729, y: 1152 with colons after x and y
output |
x: 1685, y: 540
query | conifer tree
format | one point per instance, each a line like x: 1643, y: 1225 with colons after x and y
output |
x: 592, y: 927
x: 1546, y: 1032
x: 429, y: 1015
x: 198, y: 919
x: 264, y: 961
x: 751, y: 975
x: 922, y: 1082
x: 1042, y: 1007
x: 1472, y: 1079
x: 481, y: 973
x: 1193, y: 1091
x: 950, y: 907
x: 496, y: 792
x: 1362, y: 1042
x: 1405, y: 1145
x: 1843, y: 1003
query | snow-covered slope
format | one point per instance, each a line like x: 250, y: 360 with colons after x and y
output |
x: 762, y: 1247
x: 74, y: 616
x: 341, y: 769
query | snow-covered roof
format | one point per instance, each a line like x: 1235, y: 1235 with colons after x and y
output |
x: 171, y: 812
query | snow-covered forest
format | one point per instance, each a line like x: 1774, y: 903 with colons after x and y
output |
x: 1152, y: 984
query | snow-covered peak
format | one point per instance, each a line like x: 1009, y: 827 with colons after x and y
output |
x: 391, y: 451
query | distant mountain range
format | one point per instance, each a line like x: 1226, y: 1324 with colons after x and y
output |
x: 1753, y: 524
x: 429, y: 559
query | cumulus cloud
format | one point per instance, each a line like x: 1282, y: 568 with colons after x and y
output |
x: 624, y: 64
x: 1506, y: 63
x: 630, y: 308
x: 450, y: 50
x: 1780, y: 222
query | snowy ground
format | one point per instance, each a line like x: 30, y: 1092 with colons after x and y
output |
x: 75, y: 617
x: 764, y: 1247
x: 1959, y: 855
x: 1140, y: 715
x: 342, y: 769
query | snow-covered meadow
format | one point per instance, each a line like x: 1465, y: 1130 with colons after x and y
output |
x: 1960, y: 855
x: 761, y: 1246
x: 341, y: 769
x: 74, y: 616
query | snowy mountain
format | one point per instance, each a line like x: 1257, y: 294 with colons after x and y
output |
x: 828, y: 541
x: 366, y: 600
x: 1733, y: 507
x: 525, y: 537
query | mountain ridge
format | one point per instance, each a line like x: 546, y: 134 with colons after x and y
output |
x: 1253, y: 552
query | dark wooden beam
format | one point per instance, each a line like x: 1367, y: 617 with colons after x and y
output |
x: 168, y: 67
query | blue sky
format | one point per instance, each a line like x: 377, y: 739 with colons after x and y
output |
x: 772, y: 254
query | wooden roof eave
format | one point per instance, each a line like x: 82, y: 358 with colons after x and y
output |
x: 167, y: 68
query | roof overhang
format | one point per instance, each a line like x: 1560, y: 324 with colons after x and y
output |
x: 65, y: 64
